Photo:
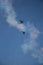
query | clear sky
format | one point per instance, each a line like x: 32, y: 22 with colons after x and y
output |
x: 16, y: 48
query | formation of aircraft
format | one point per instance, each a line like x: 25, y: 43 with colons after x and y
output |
x: 21, y: 22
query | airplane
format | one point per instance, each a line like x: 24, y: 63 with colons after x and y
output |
x: 23, y: 32
x: 22, y: 23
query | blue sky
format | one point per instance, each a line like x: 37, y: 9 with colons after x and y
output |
x: 16, y: 48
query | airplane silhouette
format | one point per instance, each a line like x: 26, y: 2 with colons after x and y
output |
x: 23, y: 32
x: 21, y: 21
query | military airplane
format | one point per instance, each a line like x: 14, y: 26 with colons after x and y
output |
x: 21, y: 22
x: 23, y: 32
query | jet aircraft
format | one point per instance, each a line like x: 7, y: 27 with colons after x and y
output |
x: 21, y: 22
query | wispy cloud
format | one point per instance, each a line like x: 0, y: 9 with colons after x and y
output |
x: 11, y: 15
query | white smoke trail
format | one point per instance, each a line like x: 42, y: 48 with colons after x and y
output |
x: 11, y: 15
x: 31, y: 44
x: 31, y: 41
